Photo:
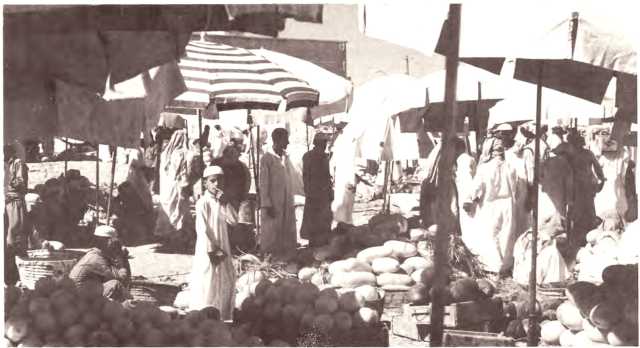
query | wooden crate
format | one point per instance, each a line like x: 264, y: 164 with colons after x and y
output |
x: 458, y: 315
x: 478, y: 316
x: 460, y: 338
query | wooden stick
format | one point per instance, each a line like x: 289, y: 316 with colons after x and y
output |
x: 98, y: 182
x: 258, y: 178
x: 201, y: 145
x: 113, y: 174
x: 384, y: 186
x: 66, y: 149
x: 532, y: 339
x: 445, y: 219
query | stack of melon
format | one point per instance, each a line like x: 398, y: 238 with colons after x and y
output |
x: 602, y: 250
x: 57, y: 313
x: 598, y: 315
x: 280, y: 312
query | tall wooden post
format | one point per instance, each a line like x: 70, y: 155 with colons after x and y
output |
x: 533, y: 317
x: 98, y: 182
x: 445, y: 217
x: 258, y: 203
x: 201, y: 145
x: 113, y: 174
x: 66, y: 154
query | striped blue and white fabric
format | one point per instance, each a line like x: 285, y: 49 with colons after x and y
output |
x: 235, y: 78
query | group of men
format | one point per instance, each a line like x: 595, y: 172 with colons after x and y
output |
x: 496, y: 198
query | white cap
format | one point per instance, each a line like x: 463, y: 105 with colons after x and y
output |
x: 212, y: 170
x: 105, y: 231
x: 504, y: 127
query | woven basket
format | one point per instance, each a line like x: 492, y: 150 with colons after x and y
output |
x: 42, y: 263
x: 156, y: 293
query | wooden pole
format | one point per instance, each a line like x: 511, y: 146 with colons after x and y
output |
x: 258, y: 177
x: 532, y: 338
x: 201, y: 145
x: 384, y: 186
x: 445, y: 217
x: 98, y: 182
x: 113, y: 174
x: 66, y: 154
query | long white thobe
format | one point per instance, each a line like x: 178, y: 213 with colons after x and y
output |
x: 212, y: 285
x: 495, y: 186
x: 612, y: 198
x: 277, y: 185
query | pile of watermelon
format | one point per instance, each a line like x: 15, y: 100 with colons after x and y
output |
x: 57, y: 314
x: 598, y: 315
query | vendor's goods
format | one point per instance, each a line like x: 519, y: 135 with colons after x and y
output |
x: 465, y: 289
x: 550, y: 332
x: 419, y: 295
x: 566, y: 338
x: 584, y: 296
x: 401, y: 250
x: 366, y: 317
x: 395, y: 223
x: 606, y: 315
x: 394, y: 279
x: 326, y: 304
x: 385, y: 265
x: 349, y: 265
x: 486, y: 287
x: 343, y: 321
x: 325, y: 253
x: 368, y: 292
x: 569, y: 315
x: 351, y: 301
x: 306, y: 273
x: 418, y: 234
x: 370, y: 254
x: 353, y: 279
x: 415, y: 263
x: 595, y: 334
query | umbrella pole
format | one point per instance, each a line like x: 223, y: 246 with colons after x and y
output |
x: 445, y: 192
x: 201, y: 145
x: 258, y: 176
x: 98, y: 182
x: 532, y: 339
x: 113, y: 172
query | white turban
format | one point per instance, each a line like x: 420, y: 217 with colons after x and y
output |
x: 105, y: 231
x: 212, y: 170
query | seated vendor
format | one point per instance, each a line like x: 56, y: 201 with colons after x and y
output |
x: 107, y: 263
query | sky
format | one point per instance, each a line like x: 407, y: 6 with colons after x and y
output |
x: 367, y: 58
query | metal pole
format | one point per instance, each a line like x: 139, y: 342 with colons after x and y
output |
x: 532, y: 339
x: 445, y: 217
x: 113, y: 172
x: 98, y: 182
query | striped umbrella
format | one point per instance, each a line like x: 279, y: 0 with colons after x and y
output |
x: 229, y: 78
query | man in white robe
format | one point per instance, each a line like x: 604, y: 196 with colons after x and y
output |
x: 212, y: 275
x: 278, y: 234
x: 495, y: 191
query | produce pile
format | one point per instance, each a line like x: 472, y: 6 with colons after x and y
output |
x: 57, y: 313
x: 299, y: 313
x: 598, y: 315
x: 606, y: 247
x: 63, y: 203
